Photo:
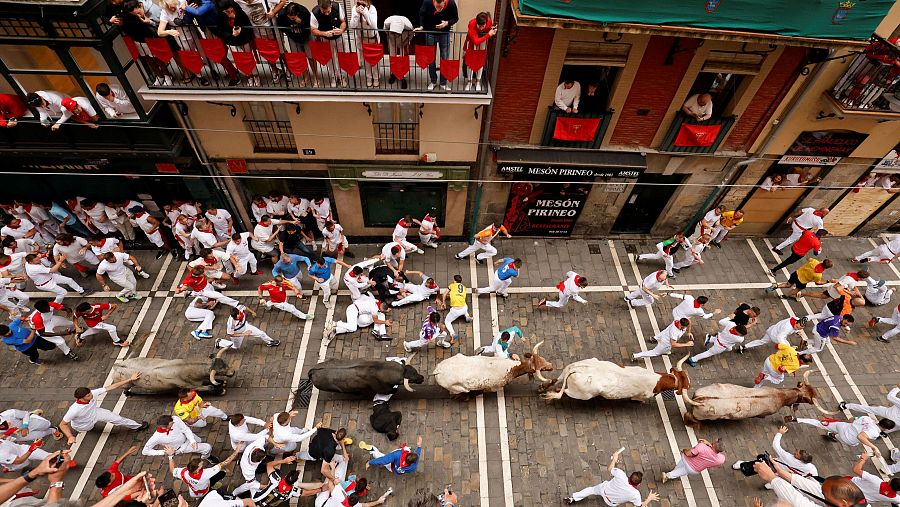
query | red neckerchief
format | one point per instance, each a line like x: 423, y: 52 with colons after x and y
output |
x: 658, y: 273
x: 16, y: 227
x: 402, y: 223
x: 885, y: 490
x: 241, y: 317
x: 205, y: 230
x: 404, y: 452
x: 260, y: 206
x: 81, y: 402
x: 196, y: 475
x: 193, y: 395
x: 210, y: 263
x: 819, y: 268
x: 319, y: 201
x: 428, y: 218
x: 793, y: 321
x: 733, y: 331
x: 696, y: 304
x: 818, y: 213
x: 27, y: 208
x: 160, y: 429
x: 511, y: 265
x: 102, y: 241
x: 578, y: 279
x: 633, y: 485
x: 677, y: 324
x: 853, y: 276
x: 284, y: 488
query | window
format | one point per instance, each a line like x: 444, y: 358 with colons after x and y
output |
x: 88, y: 59
x: 396, y: 128
x: 18, y: 27
x: 596, y: 85
x: 721, y: 86
x: 72, y: 29
x: 269, y: 127
x: 30, y: 58
x: 56, y: 82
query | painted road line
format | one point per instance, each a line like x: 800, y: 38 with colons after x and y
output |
x: 692, y: 436
x: 484, y: 495
x: 660, y: 404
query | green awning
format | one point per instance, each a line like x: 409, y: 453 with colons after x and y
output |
x: 825, y: 19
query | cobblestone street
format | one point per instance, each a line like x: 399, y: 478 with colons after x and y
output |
x: 509, y: 448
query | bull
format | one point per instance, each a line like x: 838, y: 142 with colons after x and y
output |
x: 732, y: 402
x: 462, y: 374
x: 167, y: 375
x: 591, y: 378
x: 364, y: 378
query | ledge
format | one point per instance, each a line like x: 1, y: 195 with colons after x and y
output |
x: 435, y: 97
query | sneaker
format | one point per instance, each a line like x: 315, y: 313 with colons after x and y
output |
x: 213, y: 460
x: 134, y: 296
x: 196, y: 335
x: 873, y: 321
x: 542, y: 302
x: 771, y: 289
x: 35, y: 361
x: 758, y: 380
x: 830, y: 436
x: 478, y: 86
x: 479, y: 261
x: 121, y: 344
x: 736, y: 465
x: 364, y: 446
x: 273, y: 343
x: 789, y: 419
x: 569, y: 500
x: 122, y: 299
x: 430, y: 86
x: 633, y: 358
x: 676, y: 270
x: 468, y: 85
x: 842, y: 405
x: 432, y: 245
x: 445, y: 87
x: 717, y: 245
x: 383, y: 337
x: 740, y: 350
x: 444, y: 345
x: 882, y: 339
x: 505, y: 295
x: 406, y: 348
x: 692, y: 363
x: 376, y: 334
x: 73, y: 356
x: 420, y: 251
x: 144, y: 425
x: 895, y: 455
x: 205, y: 334
x: 468, y: 319
x: 776, y: 251
x: 143, y: 274
x: 652, y: 340
x: 457, y: 257
x: 665, y: 478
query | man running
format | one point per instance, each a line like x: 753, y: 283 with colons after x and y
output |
x: 277, y: 289
x: 808, y: 241
x: 784, y: 360
x: 809, y: 273
x: 778, y: 333
x: 725, y: 340
x: 619, y: 489
x: 806, y: 219
x: 645, y: 294
x: 892, y: 412
x: 508, y: 269
x: 894, y: 320
x: 666, y: 251
x: 568, y: 289
x: 84, y: 414
x: 238, y: 328
x: 483, y: 239
x: 458, y: 307
x: 667, y: 339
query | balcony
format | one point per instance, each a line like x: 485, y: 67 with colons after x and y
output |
x: 575, y: 130
x: 687, y: 135
x: 276, y: 68
x: 871, y: 85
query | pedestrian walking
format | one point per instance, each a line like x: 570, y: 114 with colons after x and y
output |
x: 784, y: 360
x: 115, y: 265
x: 806, y: 219
x: 95, y: 317
x: 238, y: 328
x: 723, y: 341
x: 48, y: 279
x: 433, y: 331
x: 778, y: 333
x: 483, y: 239
x: 644, y: 294
x: 173, y: 437
x: 507, y: 269
x: 810, y: 273
x: 191, y: 409
x: 277, y: 289
x: 568, y: 289
x: 84, y: 414
x: 667, y: 339
x: 666, y: 251
x: 808, y: 241
x: 693, y: 461
x: 458, y: 307
x: 619, y: 489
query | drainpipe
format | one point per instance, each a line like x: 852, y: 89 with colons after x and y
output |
x: 225, y: 186
x: 484, y: 151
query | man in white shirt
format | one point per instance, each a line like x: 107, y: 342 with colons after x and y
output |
x: 75, y: 249
x: 96, y: 212
x: 113, y: 100
x: 732, y: 334
x: 698, y: 106
x: 172, y: 432
x: 400, y: 232
x: 204, y: 236
x: 239, y: 249
x: 363, y: 312
x: 222, y: 223
x: 414, y: 293
x: 78, y: 109
x: 265, y: 234
x: 567, y: 96
x: 800, y: 461
x: 619, y: 489
x: 84, y: 413
x: 215, y: 264
x: 568, y: 289
x: 692, y: 255
x: 150, y: 226
x: 47, y: 278
x: 645, y: 294
x: 394, y: 256
x: 19, y: 228
x: 882, y: 253
x: 286, y: 437
x: 321, y: 209
x: 251, y: 461
x: 892, y: 412
x: 806, y: 219
x: 31, y: 425
x: 356, y: 279
x: 778, y: 333
x: 861, y: 430
x: 667, y: 339
x: 876, y: 490
x: 118, y: 217
x: 692, y: 307
x: 114, y: 265
x: 877, y: 292
x: 799, y: 491
x: 428, y: 230
x: 15, y: 456
x: 48, y: 105
x: 100, y: 245
x: 239, y: 430
x: 333, y: 235
x: 198, y: 479
x: 238, y: 328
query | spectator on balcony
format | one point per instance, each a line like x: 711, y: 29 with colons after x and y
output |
x: 480, y: 31
x: 568, y: 95
x: 399, y: 33
x: 48, y: 105
x: 78, y: 109
x: 294, y: 21
x: 592, y: 101
x: 699, y: 106
x: 364, y: 19
x: 11, y: 109
x: 329, y: 23
x: 235, y: 30
x: 172, y: 16
x: 113, y: 100
x: 204, y: 12
x: 138, y: 25
x: 438, y: 16
x: 114, y: 14
x: 261, y: 19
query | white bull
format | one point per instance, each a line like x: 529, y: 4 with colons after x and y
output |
x: 593, y: 378
x: 464, y: 374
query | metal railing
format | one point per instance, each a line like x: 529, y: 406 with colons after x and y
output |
x: 872, y: 82
x: 357, y: 61
x: 556, y: 134
x: 396, y: 138
x: 673, y: 143
x: 271, y: 136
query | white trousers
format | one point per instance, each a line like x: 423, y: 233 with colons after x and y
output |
x: 125, y: 228
x: 497, y: 285
x: 243, y: 263
x: 663, y: 346
x: 60, y: 343
x: 687, y: 260
x: 105, y: 416
x: 638, y: 297
x: 21, y: 299
x: 816, y: 343
x: 428, y: 239
x: 409, y: 247
x: 36, y: 457
x: 38, y: 428
x: 769, y: 373
x: 892, y: 413
x: 439, y: 338
x: 327, y: 288
x: 767, y: 338
x: 412, y: 298
x: 53, y: 285
x: 287, y: 307
x: 356, y: 321
x: 880, y: 296
x: 829, y: 427
x: 203, y: 449
x: 127, y: 282
x: 561, y: 302
x: 588, y: 492
x: 796, y: 232
x: 235, y: 342
x: 455, y: 313
x: 487, y: 250
x: 713, y: 350
x: 202, y: 315
x: 334, y: 246
x: 719, y: 233
x: 102, y: 326
x: 155, y: 238
x: 209, y: 292
x: 659, y: 254
x: 879, y: 253
x: 681, y: 469
x: 209, y: 411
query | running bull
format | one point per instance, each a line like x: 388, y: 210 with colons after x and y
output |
x: 591, y: 378
x: 732, y: 402
x: 462, y: 374
x: 365, y: 378
x: 167, y: 375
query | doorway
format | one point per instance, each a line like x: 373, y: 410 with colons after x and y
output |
x: 778, y: 193
x: 648, y: 199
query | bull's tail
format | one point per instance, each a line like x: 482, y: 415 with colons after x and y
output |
x: 551, y: 395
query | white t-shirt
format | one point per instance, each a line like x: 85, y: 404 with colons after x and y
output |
x: 809, y: 220
x: 729, y: 339
x: 618, y: 490
x: 19, y: 232
x: 9, y: 451
x: 214, y: 499
x: 107, y: 245
x: 21, y: 245
x: 712, y: 218
x: 323, y: 209
x: 694, y: 107
x: 400, y: 232
x: 220, y: 221
x: 220, y: 258
x: 262, y: 233
x: 39, y: 273
x: 114, y: 269
x: 207, y: 239
x: 300, y: 209
x: 780, y: 331
x: 278, y: 207
x: 848, y: 432
x: 248, y: 468
x: 367, y: 305
x: 82, y: 417
x: 651, y: 282
x: 687, y: 308
x: 16, y: 262
x: 333, y: 236
x: 143, y: 222
x: 239, y: 250
x: 197, y: 485
x: 870, y: 485
x: 72, y: 251
x: 242, y: 433
x: 386, y: 252
x: 671, y: 333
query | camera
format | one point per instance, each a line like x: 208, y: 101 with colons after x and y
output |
x: 747, y: 466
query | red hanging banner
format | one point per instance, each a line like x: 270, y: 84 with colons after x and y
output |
x: 237, y: 166
x: 348, y: 62
x: 191, y: 60
x: 400, y: 66
x: 697, y: 135
x: 159, y: 47
x: 213, y: 49
x: 132, y: 47
x: 166, y: 168
x: 244, y: 61
x: 268, y: 49
x: 320, y: 51
x: 372, y: 53
x: 450, y: 69
x: 476, y: 58
x: 424, y: 56
x: 576, y: 129
x: 296, y: 63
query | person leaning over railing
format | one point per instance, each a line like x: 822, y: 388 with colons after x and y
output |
x: 329, y: 23
x: 261, y: 20
x: 235, y: 31
x: 364, y: 19
x: 140, y: 27
x: 294, y: 22
x: 171, y: 17
x: 438, y: 16
x: 206, y: 15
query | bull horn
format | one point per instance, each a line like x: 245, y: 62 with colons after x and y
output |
x: 410, y: 357
x: 678, y: 366
x: 540, y: 377
x: 536, y: 347
x: 212, y: 377
x: 807, y: 374
x: 820, y: 409
x: 687, y: 399
x: 407, y: 386
x: 221, y: 352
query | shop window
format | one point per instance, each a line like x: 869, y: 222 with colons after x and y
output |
x: 88, y: 59
x: 269, y: 127
x: 596, y: 83
x: 396, y: 128
x: 721, y: 86
x: 384, y: 203
x: 30, y: 58
x: 52, y: 82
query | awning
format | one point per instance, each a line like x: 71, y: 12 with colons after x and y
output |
x: 566, y: 164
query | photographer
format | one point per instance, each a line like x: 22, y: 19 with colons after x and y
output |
x: 54, y: 466
x: 799, y: 462
x: 835, y: 491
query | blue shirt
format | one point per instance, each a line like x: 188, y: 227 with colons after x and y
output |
x: 323, y: 271
x: 289, y: 270
x: 19, y: 335
x: 829, y: 327
x: 393, y: 459
x: 507, y: 270
x: 62, y: 214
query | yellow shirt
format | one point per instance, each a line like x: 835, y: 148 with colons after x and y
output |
x: 785, y: 359
x: 729, y: 221
x: 457, y: 293
x: 190, y: 410
x: 807, y: 272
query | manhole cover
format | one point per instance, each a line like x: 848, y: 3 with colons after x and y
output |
x: 303, y: 394
x: 668, y: 394
x: 594, y: 248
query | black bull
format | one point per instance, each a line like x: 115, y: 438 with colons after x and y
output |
x: 365, y: 378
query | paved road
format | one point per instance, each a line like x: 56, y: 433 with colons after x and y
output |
x: 504, y: 449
